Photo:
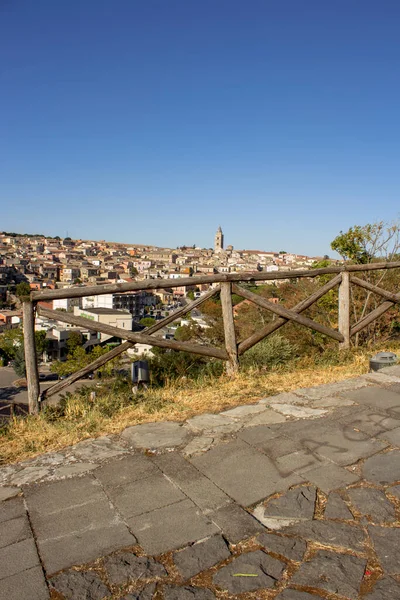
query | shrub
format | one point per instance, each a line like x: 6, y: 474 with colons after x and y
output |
x: 269, y: 353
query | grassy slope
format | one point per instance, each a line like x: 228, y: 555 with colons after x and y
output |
x: 179, y: 400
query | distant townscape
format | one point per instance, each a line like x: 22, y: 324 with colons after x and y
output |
x: 48, y: 263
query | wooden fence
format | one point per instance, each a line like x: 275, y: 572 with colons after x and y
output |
x: 226, y: 284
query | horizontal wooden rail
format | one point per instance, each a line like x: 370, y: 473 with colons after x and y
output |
x: 300, y: 307
x: 154, y: 284
x: 138, y: 338
x: 377, y: 312
x: 395, y: 298
x: 287, y: 314
x: 102, y: 360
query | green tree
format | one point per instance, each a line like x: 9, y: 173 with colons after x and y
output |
x: 41, y: 342
x: 74, y: 341
x: 23, y: 291
x: 361, y: 244
x: 147, y: 321
x: 9, y: 342
x: 19, y: 362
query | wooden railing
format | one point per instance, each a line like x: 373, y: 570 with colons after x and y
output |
x: 226, y: 284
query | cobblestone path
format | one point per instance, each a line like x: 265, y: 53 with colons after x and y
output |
x: 296, y: 497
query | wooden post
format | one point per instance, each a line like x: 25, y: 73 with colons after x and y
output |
x: 32, y: 374
x: 344, y: 310
x: 229, y: 329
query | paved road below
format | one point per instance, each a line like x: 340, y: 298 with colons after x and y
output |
x: 296, y: 497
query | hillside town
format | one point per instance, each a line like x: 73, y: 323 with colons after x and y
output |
x: 54, y: 263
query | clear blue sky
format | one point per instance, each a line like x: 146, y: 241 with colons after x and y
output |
x: 154, y: 121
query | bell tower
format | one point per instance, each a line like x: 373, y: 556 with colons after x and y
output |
x: 219, y: 240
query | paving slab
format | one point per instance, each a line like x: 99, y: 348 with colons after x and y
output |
x: 332, y: 389
x: 329, y: 533
x: 146, y: 593
x: 166, y: 434
x: 14, y: 530
x: 126, y: 567
x: 259, y: 434
x: 393, y: 437
x: 298, y: 503
x: 83, y: 547
x: 84, y: 517
x: 243, y: 473
x: 378, y: 398
x: 328, y: 476
x: 335, y: 441
x: 174, y: 592
x: 235, y: 523
x: 52, y: 497
x: 290, y: 548
x: 381, y: 378
x: 299, y: 412
x: 234, y: 577
x: 26, y: 584
x: 8, y: 492
x: 334, y: 402
x: 80, y: 585
x: 204, y: 493
x: 394, y: 490
x: 74, y: 522
x: 11, y: 509
x: 393, y: 370
x: 126, y: 470
x: 290, y: 594
x: 213, y: 424
x: 296, y: 460
x: 336, y: 573
x: 171, y: 527
x: 201, y: 556
x: 199, y: 444
x: 336, y: 508
x: 102, y: 448
x: 18, y: 557
x: 145, y: 495
x: 386, y: 541
x: 29, y: 475
x: 267, y: 417
x: 285, y: 398
x: 385, y: 589
x: 383, y: 468
x: 72, y: 470
x: 373, y: 504
x: 246, y: 410
x: 277, y: 447
x: 369, y: 421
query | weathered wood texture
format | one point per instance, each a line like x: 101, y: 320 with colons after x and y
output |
x: 229, y: 328
x: 278, y: 323
x: 154, y: 284
x: 377, y: 312
x: 32, y: 374
x: 138, y: 338
x: 102, y: 360
x: 394, y: 298
x: 288, y: 314
x: 96, y: 364
x: 344, y: 310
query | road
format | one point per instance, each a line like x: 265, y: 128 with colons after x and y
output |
x: 10, y: 393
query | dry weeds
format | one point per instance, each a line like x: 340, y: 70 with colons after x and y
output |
x: 177, y: 401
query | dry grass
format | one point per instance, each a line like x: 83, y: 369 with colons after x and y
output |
x: 177, y: 401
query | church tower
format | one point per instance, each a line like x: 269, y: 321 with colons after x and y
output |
x: 219, y: 240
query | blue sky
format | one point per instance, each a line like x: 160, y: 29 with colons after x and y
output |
x: 154, y: 121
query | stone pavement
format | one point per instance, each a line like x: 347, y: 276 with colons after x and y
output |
x: 296, y: 497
